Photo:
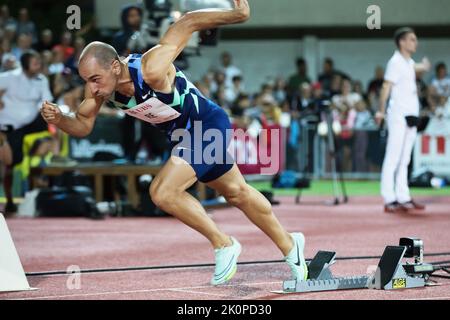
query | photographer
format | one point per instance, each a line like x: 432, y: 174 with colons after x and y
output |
x: 136, y: 35
x: 131, y: 18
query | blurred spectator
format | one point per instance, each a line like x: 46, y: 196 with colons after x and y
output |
x: 57, y: 64
x: 374, y: 89
x: 46, y: 41
x: 220, y: 97
x: 46, y: 58
x: 310, y: 101
x: 131, y: 18
x: 441, y: 81
x: 65, y: 46
x: 24, y: 90
x: 25, y: 25
x: 348, y: 99
x: 208, y: 81
x: 364, y: 119
x: 239, y: 111
x: 10, y: 34
x: 23, y: 44
x: 40, y: 151
x: 326, y: 77
x: 229, y: 69
x: 302, y: 99
x: 231, y: 93
x: 238, y: 119
x: 270, y: 111
x: 335, y: 86
x: 267, y: 89
x: 67, y: 85
x: 358, y: 88
x: 72, y: 62
x: 300, y: 77
x: 344, y: 106
x: 252, y: 107
x: 218, y: 80
x: 306, y: 96
x: 8, y: 60
x: 279, y: 90
x: 363, y: 122
x: 6, y: 19
x: 330, y: 76
x: 376, y: 83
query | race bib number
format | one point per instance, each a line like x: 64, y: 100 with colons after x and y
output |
x: 153, y: 111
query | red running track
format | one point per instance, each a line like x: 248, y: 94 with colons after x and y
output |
x: 359, y: 228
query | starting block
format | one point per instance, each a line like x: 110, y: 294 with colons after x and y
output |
x: 320, y: 277
x: 391, y: 272
x: 12, y: 275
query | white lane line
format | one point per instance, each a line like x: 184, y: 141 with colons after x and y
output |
x: 431, y: 298
x: 199, y: 292
x: 143, y: 291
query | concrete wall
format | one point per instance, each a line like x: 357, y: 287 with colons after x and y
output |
x: 347, y: 12
x: 300, y: 13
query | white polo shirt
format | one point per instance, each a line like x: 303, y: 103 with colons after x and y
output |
x: 23, y: 97
x: 401, y: 72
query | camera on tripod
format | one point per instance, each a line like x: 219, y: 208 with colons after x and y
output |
x: 159, y: 15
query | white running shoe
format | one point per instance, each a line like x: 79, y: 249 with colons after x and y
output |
x: 296, y: 260
x: 226, y: 262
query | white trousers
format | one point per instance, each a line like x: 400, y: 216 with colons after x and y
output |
x: 394, y: 175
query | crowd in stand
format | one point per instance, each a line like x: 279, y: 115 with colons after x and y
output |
x: 351, y: 103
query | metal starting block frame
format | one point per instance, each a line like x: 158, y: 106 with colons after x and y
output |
x: 391, y: 273
x: 320, y: 277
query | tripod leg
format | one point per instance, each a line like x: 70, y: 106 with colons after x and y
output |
x: 332, y: 151
x: 343, y: 189
x: 341, y: 180
x: 299, y: 195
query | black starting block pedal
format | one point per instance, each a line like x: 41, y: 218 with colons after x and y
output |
x: 320, y: 277
x: 391, y: 273
x: 318, y: 268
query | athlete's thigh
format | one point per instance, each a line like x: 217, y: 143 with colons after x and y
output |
x: 176, y: 174
x: 229, y: 182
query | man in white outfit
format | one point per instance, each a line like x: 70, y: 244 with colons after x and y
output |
x: 402, y: 118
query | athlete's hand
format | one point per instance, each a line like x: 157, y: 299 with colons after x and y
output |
x: 426, y: 64
x: 242, y: 7
x: 379, y: 117
x: 51, y: 113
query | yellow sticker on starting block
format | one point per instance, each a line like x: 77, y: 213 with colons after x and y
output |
x: 399, y: 283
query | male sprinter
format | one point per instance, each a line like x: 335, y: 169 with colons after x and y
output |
x: 150, y: 88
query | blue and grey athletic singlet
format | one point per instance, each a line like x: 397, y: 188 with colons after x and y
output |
x: 180, y: 109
